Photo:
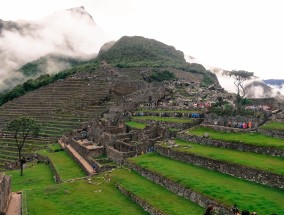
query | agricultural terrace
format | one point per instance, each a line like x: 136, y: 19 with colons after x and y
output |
x: 155, y: 195
x: 256, y: 161
x: 273, y: 126
x: 162, y: 119
x: 222, y: 188
x: 247, y: 138
x: 136, y: 125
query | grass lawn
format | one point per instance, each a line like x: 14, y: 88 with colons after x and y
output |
x: 66, y: 167
x: 135, y: 124
x: 247, y: 138
x: 163, y: 119
x: 80, y: 198
x: 39, y: 175
x: 156, y: 195
x: 249, y: 159
x: 220, y: 187
x: 168, y: 111
x: 273, y: 126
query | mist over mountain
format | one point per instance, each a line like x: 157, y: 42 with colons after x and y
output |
x: 71, y: 32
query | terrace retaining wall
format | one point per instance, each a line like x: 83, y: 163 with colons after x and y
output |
x: 179, y: 189
x: 147, y: 207
x: 272, y: 133
x: 5, y: 192
x: 255, y: 175
x: 240, y: 146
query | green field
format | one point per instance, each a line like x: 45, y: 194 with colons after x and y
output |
x: 273, y: 126
x: 156, y: 195
x: 163, y: 119
x: 80, y: 198
x: 247, y: 138
x: 136, y: 125
x: 222, y: 188
x: 66, y: 167
x: 249, y: 159
x: 39, y: 175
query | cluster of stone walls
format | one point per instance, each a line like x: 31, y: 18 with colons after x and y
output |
x: 118, y: 156
x: 143, y: 204
x: 179, y: 189
x: 273, y: 151
x: 255, y: 175
x: 5, y: 192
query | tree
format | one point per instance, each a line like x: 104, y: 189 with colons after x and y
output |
x: 21, y: 128
x: 240, y: 76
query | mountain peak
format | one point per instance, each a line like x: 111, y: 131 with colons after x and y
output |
x: 80, y: 12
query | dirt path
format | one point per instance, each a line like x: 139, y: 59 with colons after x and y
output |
x: 15, y: 204
x: 87, y: 166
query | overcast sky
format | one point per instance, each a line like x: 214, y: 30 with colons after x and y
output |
x: 230, y: 34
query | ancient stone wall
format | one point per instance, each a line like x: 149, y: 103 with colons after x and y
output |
x: 117, y: 156
x: 180, y: 190
x: 5, y: 192
x: 273, y: 133
x: 255, y: 175
x: 240, y: 146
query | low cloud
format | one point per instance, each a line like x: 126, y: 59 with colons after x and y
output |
x: 69, y: 33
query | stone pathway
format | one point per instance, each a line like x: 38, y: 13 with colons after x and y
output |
x: 15, y: 204
x: 83, y: 162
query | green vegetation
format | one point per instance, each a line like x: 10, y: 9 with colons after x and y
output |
x: 141, y: 52
x: 135, y: 125
x: 167, y: 111
x: 222, y: 188
x: 66, y: 167
x: 163, y: 119
x: 54, y: 147
x: 38, y: 175
x: 247, y: 138
x: 159, y: 76
x: 273, y: 126
x: 81, y: 198
x: 156, y: 195
x: 249, y: 159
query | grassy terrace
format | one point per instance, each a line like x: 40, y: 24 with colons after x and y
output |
x: 168, y: 111
x: 273, y: 126
x: 80, y: 198
x: 136, y: 125
x: 220, y: 187
x: 247, y: 138
x: 66, y: 167
x: 248, y: 159
x: 170, y: 203
x: 39, y: 175
x: 163, y: 119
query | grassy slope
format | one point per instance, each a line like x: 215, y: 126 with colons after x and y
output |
x: 223, y: 188
x: 253, y: 160
x: 80, y: 198
x: 170, y: 203
x: 66, y: 167
x: 163, y: 119
x: 36, y: 176
x: 135, y: 124
x: 247, y: 138
x: 273, y: 126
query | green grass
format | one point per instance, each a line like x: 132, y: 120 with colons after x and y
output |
x: 168, y: 111
x: 273, y: 126
x: 247, y: 138
x: 39, y: 175
x: 163, y: 119
x: 220, y: 187
x: 54, y: 147
x: 80, y: 198
x: 156, y: 195
x: 66, y: 167
x: 249, y: 159
x: 136, y: 125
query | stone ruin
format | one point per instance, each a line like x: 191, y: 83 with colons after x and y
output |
x: 5, y: 193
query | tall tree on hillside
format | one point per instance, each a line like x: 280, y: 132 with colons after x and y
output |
x: 22, y: 127
x: 240, y: 77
